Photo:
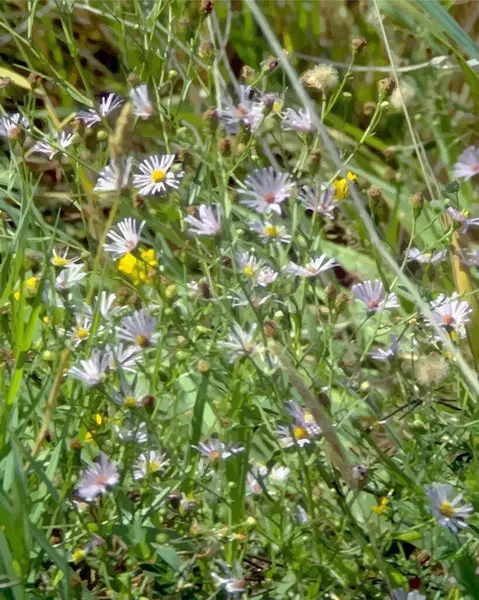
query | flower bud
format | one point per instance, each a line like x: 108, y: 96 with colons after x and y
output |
x: 386, y: 86
x: 203, y: 366
x: 206, y: 50
x: 357, y: 44
x: 247, y: 74
x: 417, y: 202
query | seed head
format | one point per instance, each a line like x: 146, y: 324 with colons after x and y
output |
x: 322, y: 77
x: 357, y: 44
x: 386, y: 86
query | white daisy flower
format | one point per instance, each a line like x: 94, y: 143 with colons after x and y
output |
x: 269, y: 232
x: 127, y: 396
x: 451, y: 313
x: 248, y: 111
x: 279, y: 475
x: 462, y: 217
x: 156, y: 176
x: 115, y: 176
x: 266, y: 190
x: 297, y: 120
x: 69, y: 277
x: 92, y: 370
x: 303, y: 431
x: 444, y: 506
x: 427, y: 258
x: 124, y: 358
x: 467, y: 164
x: 213, y: 449
x: 12, y: 125
x: 142, y: 106
x: 387, y: 353
x: 322, y: 203
x: 266, y: 277
x: 132, y: 433
x: 58, y: 260
x: 149, y: 463
x: 139, y: 329
x: 248, y: 263
x: 108, y: 104
x: 81, y: 331
x: 313, y: 268
x: 62, y: 142
x: 125, y: 241
x: 239, y: 343
x: 208, y: 221
x: 106, y: 308
x: 372, y: 295
x: 97, y: 480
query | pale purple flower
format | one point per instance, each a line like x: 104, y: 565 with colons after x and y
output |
x: 106, y: 308
x: 299, y: 120
x: 467, y: 164
x: 69, y: 277
x: 127, y: 397
x: 124, y: 358
x: 137, y: 433
x: 213, y: 449
x: 428, y: 258
x: 471, y: 258
x: 126, y: 240
x: 208, y: 221
x: 12, y: 124
x: 239, y: 343
x: 248, y: 264
x: 139, y: 329
x: 444, y: 506
x: 304, y: 429
x: 157, y: 175
x: 388, y: 352
x: 451, y: 313
x: 323, y: 202
x: 81, y: 330
x: 97, y: 480
x: 115, y: 176
x: 266, y: 277
x: 149, y: 463
x: 108, y: 104
x: 269, y: 232
x: 266, y: 189
x: 373, y: 296
x: 62, y: 142
x: 311, y: 269
x: 142, y: 106
x: 462, y: 217
x: 248, y: 111
x: 92, y: 370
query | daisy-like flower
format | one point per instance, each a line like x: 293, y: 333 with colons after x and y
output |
x: 132, y: 433
x: 127, y: 396
x: 403, y: 595
x: 323, y: 203
x: 269, y: 232
x: 124, y: 358
x: 233, y: 582
x: 115, y: 176
x: 427, y: 258
x: 248, y: 111
x: 62, y: 142
x: 467, y: 164
x: 156, y: 176
x: 214, y: 450
x: 387, y: 353
x: 106, y: 308
x: 373, y: 296
x: 69, y: 277
x: 208, y: 221
x: 81, y: 331
x: 97, y: 480
x: 12, y: 125
x: 313, y: 268
x: 108, y: 104
x: 58, y: 260
x: 149, y: 463
x: 239, y: 343
x: 445, y: 506
x: 462, y: 217
x: 248, y: 264
x: 92, y: 370
x: 266, y: 190
x: 451, y: 313
x: 297, y: 120
x: 139, y: 329
x: 303, y: 431
x: 266, y: 277
x: 126, y: 240
x: 142, y: 106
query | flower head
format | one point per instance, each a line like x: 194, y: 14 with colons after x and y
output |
x: 107, y: 306
x: 126, y: 240
x: 81, y: 330
x: 108, y: 104
x: 98, y: 479
x: 304, y: 429
x: 127, y: 397
x: 248, y: 263
x: 269, y: 232
x: 445, y: 506
x: 142, y: 106
x: 208, y: 221
x: 467, y: 164
x: 248, y: 111
x: 150, y: 463
x: 322, y: 77
x: 266, y: 190
x: 341, y: 185
x: 92, y: 370
x: 266, y: 277
x: 239, y: 343
x: 58, y: 260
x: 403, y: 595
x: 214, y: 450
x: 69, y: 277
x: 62, y: 142
x: 124, y: 358
x: 322, y: 203
x: 427, y: 258
x: 12, y: 125
x: 233, y: 582
x: 133, y: 433
x: 373, y: 296
x: 140, y: 270
x: 311, y: 269
x: 156, y: 175
x: 462, y: 217
x: 298, y: 120
x: 139, y: 329
x: 451, y: 313
x: 387, y: 353
x: 114, y: 176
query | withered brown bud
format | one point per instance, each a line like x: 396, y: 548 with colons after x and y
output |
x: 369, y: 108
x: 390, y: 174
x: 149, y: 403
x: 35, y: 79
x: 75, y: 444
x: 375, y: 193
x: 209, y: 113
x: 207, y: 6
x: 417, y: 203
x: 270, y: 64
x: 224, y: 146
x: 175, y: 499
x: 138, y: 201
x: 185, y: 23
x: 357, y: 44
x: 206, y: 50
x: 5, y: 81
x: 247, y: 73
x: 315, y: 158
x: 270, y: 330
x: 133, y: 79
x: 331, y: 292
x: 386, y: 86
x: 56, y: 536
x: 341, y: 301
x: 240, y: 148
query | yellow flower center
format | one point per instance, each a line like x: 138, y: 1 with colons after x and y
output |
x: 81, y: 333
x: 158, y: 175
x: 89, y: 438
x: 271, y: 231
x: 59, y: 261
x: 98, y: 419
x: 447, y: 509
x: 248, y: 271
x: 215, y: 455
x: 153, y: 467
x: 129, y: 402
x: 248, y: 348
x: 381, y: 507
x: 32, y: 284
x: 300, y: 433
x: 78, y: 554
x: 142, y: 340
x: 277, y: 106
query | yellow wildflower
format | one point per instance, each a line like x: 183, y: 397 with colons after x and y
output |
x: 381, y: 507
x: 30, y: 287
x: 341, y: 186
x: 78, y: 554
x: 140, y: 270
